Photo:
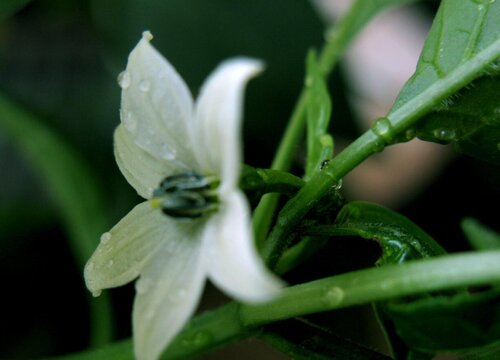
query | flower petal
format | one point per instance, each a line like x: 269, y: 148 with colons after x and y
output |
x: 168, y: 292
x: 156, y: 106
x: 218, y: 119
x: 126, y: 248
x: 234, y: 264
x: 141, y: 169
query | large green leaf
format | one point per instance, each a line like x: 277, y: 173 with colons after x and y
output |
x: 463, y: 45
x: 442, y: 323
x: 469, y: 120
x: 399, y: 238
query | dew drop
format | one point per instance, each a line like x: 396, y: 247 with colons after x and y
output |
x: 96, y: 293
x: 124, y: 79
x: 333, y: 296
x: 110, y: 263
x: 308, y: 81
x: 90, y: 266
x: 410, y: 134
x: 105, y: 237
x: 144, y: 85
x: 444, y: 134
x: 338, y: 185
x: 382, y: 127
x: 202, y: 339
x: 143, y: 285
x: 177, y: 296
x: 129, y: 121
x: 167, y: 152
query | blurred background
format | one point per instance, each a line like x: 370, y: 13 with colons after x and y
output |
x: 59, y: 61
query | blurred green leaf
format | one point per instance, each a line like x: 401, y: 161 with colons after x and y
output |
x: 480, y: 236
x: 470, y: 120
x: 318, y: 111
x: 71, y: 185
x: 303, y: 340
x: 10, y: 7
x: 453, y: 323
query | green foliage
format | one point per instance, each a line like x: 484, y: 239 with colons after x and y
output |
x: 470, y: 120
x: 10, y: 7
x: 480, y: 236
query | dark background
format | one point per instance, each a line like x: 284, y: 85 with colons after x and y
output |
x: 60, y: 60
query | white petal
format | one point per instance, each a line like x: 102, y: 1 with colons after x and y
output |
x: 234, y: 264
x: 168, y: 292
x: 141, y: 169
x: 218, y: 119
x: 125, y: 249
x: 156, y: 105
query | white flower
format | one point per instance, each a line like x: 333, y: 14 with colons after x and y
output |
x: 193, y: 151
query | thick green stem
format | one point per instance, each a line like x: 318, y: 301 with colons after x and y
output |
x: 233, y: 321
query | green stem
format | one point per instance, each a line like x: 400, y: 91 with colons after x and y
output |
x: 338, y: 38
x: 233, y: 321
x: 269, y: 181
x: 367, y: 144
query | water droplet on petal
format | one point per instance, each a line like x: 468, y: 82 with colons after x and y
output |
x: 382, y: 127
x: 333, y: 296
x: 129, y: 121
x: 177, y: 296
x: 96, y: 293
x: 144, y: 85
x: 105, y: 237
x: 143, y: 285
x: 167, y: 152
x: 90, y: 266
x: 110, y: 263
x: 124, y: 79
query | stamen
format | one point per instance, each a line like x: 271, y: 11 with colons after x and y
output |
x: 188, y: 195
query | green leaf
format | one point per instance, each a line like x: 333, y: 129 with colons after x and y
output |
x: 318, y: 112
x: 71, y: 185
x: 470, y: 120
x: 399, y: 238
x: 463, y: 44
x: 448, y: 323
x: 303, y: 340
x: 480, y: 236
x: 10, y: 7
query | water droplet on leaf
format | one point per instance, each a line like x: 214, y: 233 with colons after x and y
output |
x: 202, y: 339
x: 124, y: 79
x: 443, y: 134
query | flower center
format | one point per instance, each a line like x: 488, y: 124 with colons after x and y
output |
x: 188, y: 195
